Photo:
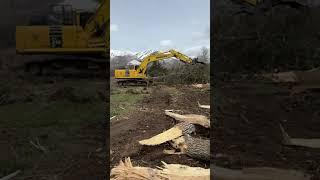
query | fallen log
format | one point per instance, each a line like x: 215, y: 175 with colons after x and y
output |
x: 125, y: 170
x: 180, y: 139
x: 288, y: 141
x: 197, y: 148
x: 194, y: 147
x: 190, y: 118
x: 173, y: 133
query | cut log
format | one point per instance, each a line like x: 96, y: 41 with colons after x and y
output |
x: 125, y: 170
x: 173, y: 133
x: 197, y: 148
x: 287, y: 140
x: 194, y: 147
x: 190, y: 118
x: 179, y: 143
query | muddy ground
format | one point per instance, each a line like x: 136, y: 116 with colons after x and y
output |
x: 246, y: 133
x: 64, y: 114
x: 247, y: 115
x: 148, y: 119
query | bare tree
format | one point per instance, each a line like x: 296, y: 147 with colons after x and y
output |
x: 204, y: 55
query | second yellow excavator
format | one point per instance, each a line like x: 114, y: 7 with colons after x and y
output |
x: 138, y: 74
x: 67, y: 37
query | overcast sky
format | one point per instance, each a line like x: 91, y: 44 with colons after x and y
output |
x: 138, y: 25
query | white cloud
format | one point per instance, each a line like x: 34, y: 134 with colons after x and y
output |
x: 166, y: 43
x: 114, y: 27
x: 195, y: 51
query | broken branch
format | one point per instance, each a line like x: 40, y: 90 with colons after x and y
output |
x: 203, y: 106
x: 125, y: 170
x: 190, y: 118
x: 172, y: 133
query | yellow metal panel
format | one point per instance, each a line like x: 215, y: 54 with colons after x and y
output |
x: 120, y: 73
x: 69, y: 36
x: 32, y: 37
x: 133, y: 74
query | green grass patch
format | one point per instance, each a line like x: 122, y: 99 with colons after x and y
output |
x: 123, y: 100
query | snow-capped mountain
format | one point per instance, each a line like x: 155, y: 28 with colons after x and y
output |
x: 143, y: 54
x: 192, y: 52
x: 115, y: 53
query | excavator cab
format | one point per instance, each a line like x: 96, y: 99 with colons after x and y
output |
x: 61, y: 14
x: 196, y: 61
x: 64, y: 14
x: 58, y: 14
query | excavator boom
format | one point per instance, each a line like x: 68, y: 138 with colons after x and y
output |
x: 158, y: 56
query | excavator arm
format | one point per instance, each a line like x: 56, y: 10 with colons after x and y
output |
x: 158, y: 56
x: 99, y: 24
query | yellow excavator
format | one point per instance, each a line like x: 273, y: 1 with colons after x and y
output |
x: 138, y: 74
x: 81, y: 37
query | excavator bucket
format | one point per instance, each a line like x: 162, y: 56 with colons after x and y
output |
x: 196, y: 61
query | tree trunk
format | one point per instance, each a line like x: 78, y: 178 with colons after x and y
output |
x: 196, y: 148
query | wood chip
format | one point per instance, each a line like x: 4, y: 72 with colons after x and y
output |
x: 203, y: 106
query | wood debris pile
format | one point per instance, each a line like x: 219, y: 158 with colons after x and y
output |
x: 125, y: 170
x: 180, y: 136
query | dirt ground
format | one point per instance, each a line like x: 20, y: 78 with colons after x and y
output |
x: 248, y: 114
x: 63, y: 114
x: 148, y: 119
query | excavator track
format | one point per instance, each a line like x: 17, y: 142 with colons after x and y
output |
x: 134, y: 82
x: 68, y: 67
